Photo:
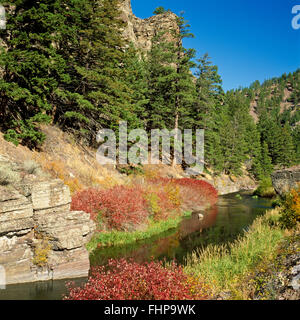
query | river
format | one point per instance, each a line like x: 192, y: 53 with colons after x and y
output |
x: 221, y: 224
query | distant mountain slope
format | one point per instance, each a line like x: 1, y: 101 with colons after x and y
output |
x: 281, y: 94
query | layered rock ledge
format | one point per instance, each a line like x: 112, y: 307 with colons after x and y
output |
x: 40, y: 238
x: 284, y: 180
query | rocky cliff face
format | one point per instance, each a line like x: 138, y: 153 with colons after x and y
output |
x: 226, y: 184
x: 141, y: 32
x: 284, y: 180
x: 40, y: 238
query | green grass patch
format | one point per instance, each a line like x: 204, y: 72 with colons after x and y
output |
x: 265, y: 189
x: 117, y: 238
x: 187, y: 214
x: 223, y: 266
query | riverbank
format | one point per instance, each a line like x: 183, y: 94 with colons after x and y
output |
x: 224, y: 266
x: 257, y: 266
x: 227, y: 184
x: 278, y: 279
x: 117, y: 238
x: 126, y: 214
x: 220, y: 272
x: 221, y: 224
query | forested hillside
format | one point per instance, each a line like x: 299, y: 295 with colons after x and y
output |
x: 266, y: 119
x: 66, y: 63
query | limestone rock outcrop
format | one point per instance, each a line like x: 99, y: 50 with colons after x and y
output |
x: 284, y: 180
x: 226, y: 184
x: 40, y: 238
x: 141, y: 31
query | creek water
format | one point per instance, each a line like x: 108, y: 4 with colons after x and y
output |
x: 222, y: 223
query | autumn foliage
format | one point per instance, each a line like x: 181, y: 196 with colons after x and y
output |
x: 129, y: 207
x: 193, y: 194
x: 197, y: 193
x: 163, y: 199
x: 119, y: 208
x: 87, y: 200
x: 290, y: 213
x: 127, y: 280
x: 295, y: 201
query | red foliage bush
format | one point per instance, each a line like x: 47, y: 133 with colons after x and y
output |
x: 194, y: 194
x: 126, y: 208
x: 123, y: 208
x: 197, y: 193
x: 89, y: 201
x: 120, y: 208
x: 123, y: 280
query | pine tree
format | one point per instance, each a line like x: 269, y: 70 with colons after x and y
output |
x: 214, y: 134
x: 230, y: 144
x: 287, y: 155
x: 239, y: 112
x: 100, y: 97
x: 136, y: 78
x: 161, y: 81
x: 171, y: 87
x: 266, y: 161
x: 32, y: 69
x: 296, y: 139
x: 270, y: 133
x: 160, y: 10
x: 254, y: 151
x: 208, y: 112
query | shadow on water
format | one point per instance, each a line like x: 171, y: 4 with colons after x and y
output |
x: 221, y: 224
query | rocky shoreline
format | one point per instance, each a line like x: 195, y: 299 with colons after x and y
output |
x: 226, y: 184
x: 281, y: 279
x: 40, y: 238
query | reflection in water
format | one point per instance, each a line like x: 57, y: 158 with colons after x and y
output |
x: 47, y: 290
x: 221, y: 224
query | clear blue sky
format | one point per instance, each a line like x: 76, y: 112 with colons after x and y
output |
x: 247, y: 39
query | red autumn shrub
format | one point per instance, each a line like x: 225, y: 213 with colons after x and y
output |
x: 89, y: 201
x: 127, y: 280
x: 126, y: 208
x: 120, y: 208
x: 123, y: 208
x: 197, y: 193
x: 194, y: 194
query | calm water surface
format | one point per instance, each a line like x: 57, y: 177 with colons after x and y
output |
x: 221, y: 224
